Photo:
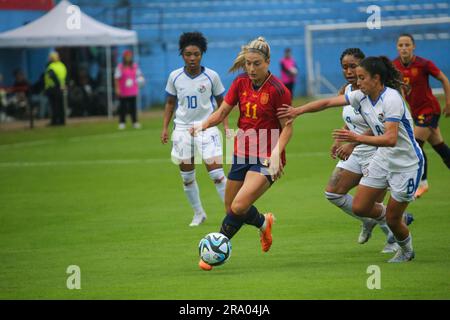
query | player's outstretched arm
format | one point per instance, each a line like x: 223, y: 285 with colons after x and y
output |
x: 446, y: 86
x: 168, y: 113
x: 225, y: 122
x: 315, y: 106
x: 214, y: 119
x: 387, y: 139
x: 275, y: 165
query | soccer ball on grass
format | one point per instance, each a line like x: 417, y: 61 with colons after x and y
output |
x: 214, y: 249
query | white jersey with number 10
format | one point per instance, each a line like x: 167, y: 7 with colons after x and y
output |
x: 195, y: 96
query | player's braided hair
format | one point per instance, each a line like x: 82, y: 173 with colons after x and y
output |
x: 389, y: 75
x: 258, y: 45
x: 193, y: 39
x: 355, y: 52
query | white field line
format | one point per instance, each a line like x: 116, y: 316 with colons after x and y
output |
x: 122, y: 161
x: 38, y: 143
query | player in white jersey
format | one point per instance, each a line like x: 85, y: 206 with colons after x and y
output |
x: 196, y: 92
x: 398, y: 161
x: 354, y: 159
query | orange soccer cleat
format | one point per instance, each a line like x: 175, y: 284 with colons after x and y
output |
x: 204, y: 266
x: 266, y: 235
x: 421, y: 190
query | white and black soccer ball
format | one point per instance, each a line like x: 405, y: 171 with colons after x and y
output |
x: 214, y: 249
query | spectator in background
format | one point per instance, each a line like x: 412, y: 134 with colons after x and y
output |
x: 55, y: 84
x: 81, y: 95
x: 21, y: 93
x: 289, y: 70
x: 21, y: 84
x: 128, y: 77
x: 2, y: 100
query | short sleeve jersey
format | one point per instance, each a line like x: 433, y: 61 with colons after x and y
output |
x: 416, y: 74
x: 195, y: 95
x: 389, y: 107
x: 259, y: 127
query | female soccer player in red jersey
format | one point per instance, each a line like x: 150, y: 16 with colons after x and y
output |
x: 259, y: 146
x: 424, y: 106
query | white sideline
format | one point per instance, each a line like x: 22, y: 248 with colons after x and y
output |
x: 122, y: 161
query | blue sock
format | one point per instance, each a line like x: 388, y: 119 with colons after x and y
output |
x: 231, y: 224
x: 444, y: 151
x: 254, y: 218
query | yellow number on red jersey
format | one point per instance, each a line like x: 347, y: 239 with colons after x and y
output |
x: 253, y: 107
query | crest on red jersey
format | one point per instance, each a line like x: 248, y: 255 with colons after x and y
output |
x: 414, y: 71
x: 264, y: 98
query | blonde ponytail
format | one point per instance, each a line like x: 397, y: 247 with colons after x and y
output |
x: 258, y: 45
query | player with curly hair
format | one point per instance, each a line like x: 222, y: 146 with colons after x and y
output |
x: 195, y: 91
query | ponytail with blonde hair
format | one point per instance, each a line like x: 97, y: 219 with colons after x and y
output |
x: 258, y: 45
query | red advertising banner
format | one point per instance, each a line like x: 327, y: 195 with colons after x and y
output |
x: 26, y: 4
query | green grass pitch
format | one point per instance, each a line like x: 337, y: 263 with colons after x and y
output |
x: 112, y: 203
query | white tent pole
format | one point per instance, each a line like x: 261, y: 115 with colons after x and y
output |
x: 108, y: 81
x: 139, y: 97
x: 309, y: 62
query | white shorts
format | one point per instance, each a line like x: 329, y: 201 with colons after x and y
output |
x: 356, y: 163
x: 403, y: 185
x: 207, y: 144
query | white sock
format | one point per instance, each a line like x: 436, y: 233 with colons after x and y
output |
x: 263, y: 227
x: 219, y: 179
x: 191, y: 191
x: 383, y: 225
x: 406, y: 244
x: 344, y: 202
x: 423, y: 183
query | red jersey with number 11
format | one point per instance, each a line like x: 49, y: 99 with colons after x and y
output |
x: 259, y: 127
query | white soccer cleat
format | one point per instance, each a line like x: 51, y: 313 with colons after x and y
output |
x: 402, y: 256
x: 366, y: 230
x: 137, y: 125
x: 197, y: 220
x: 121, y: 126
x: 390, y: 247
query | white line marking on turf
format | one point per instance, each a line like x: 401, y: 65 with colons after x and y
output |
x: 101, y: 136
x: 26, y: 144
x: 121, y: 161
x: 82, y: 162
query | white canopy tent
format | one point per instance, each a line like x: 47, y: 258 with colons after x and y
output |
x: 66, y: 26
